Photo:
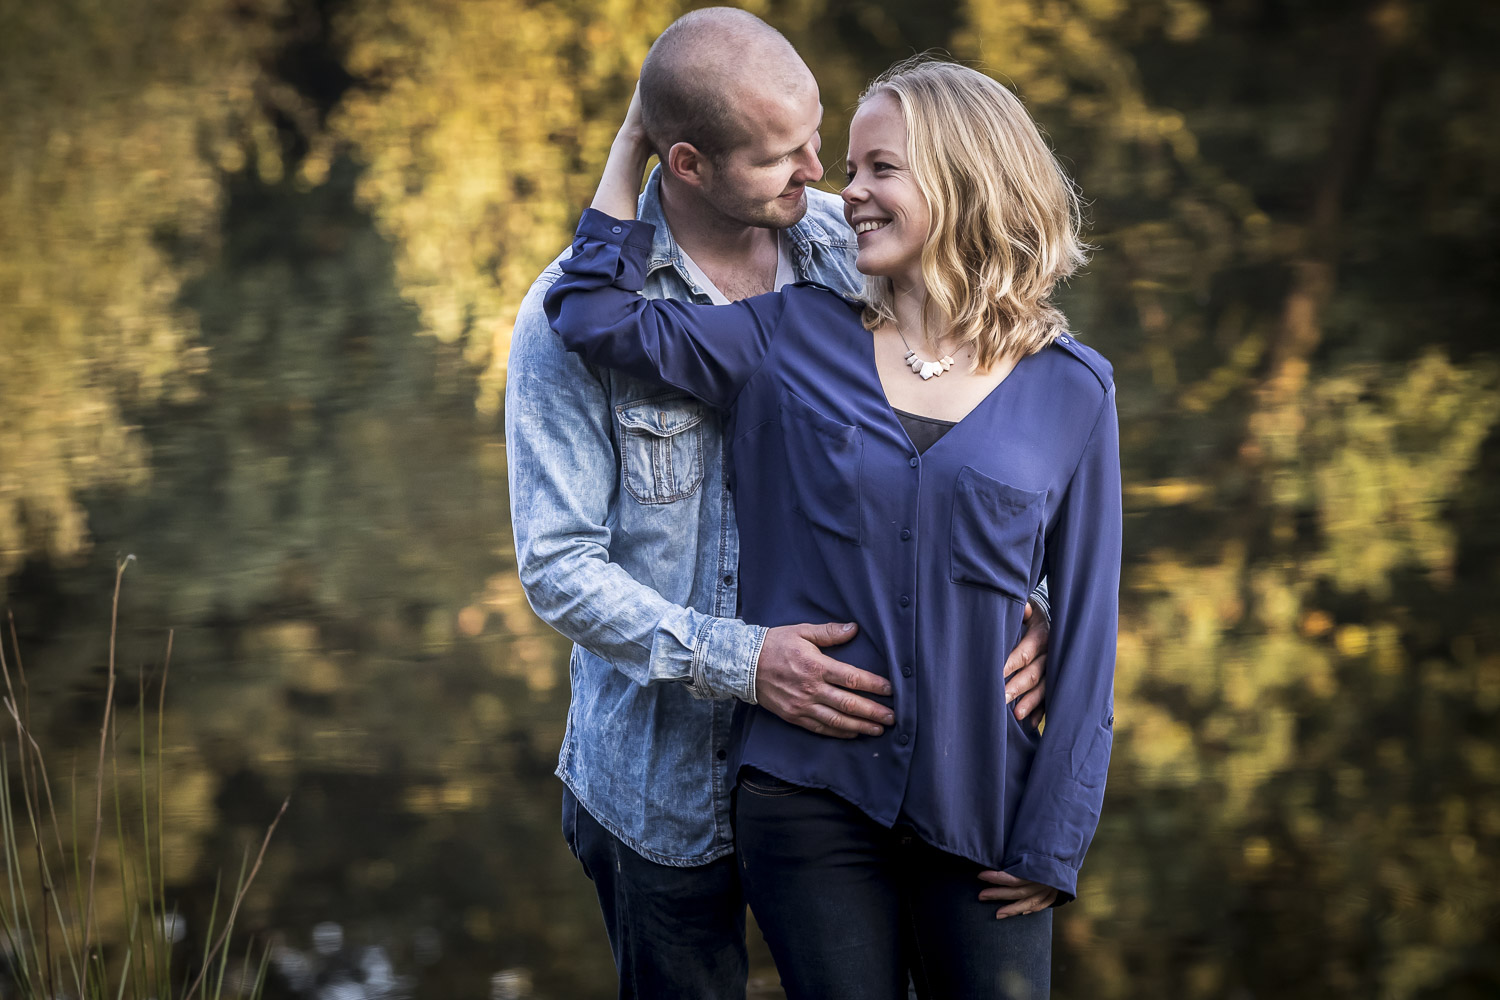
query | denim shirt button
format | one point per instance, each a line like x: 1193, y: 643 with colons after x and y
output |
x: 728, y: 579
x: 721, y: 754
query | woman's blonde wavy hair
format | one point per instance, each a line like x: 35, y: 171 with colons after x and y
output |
x: 1005, y: 217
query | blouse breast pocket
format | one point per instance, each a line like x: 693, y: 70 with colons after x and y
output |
x: 661, y: 448
x: 824, y: 459
x: 997, y: 535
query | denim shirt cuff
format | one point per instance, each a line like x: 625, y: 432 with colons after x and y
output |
x: 1040, y: 604
x: 725, y: 655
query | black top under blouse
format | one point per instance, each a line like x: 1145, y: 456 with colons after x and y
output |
x: 923, y: 431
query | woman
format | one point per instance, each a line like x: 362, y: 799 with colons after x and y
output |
x: 912, y: 462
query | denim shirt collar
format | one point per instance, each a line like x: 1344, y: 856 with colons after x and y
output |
x: 810, y: 235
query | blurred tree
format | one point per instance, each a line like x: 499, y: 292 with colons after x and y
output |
x: 482, y: 125
x: 118, y: 119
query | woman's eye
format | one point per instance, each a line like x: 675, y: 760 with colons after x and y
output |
x: 848, y: 175
x: 883, y: 166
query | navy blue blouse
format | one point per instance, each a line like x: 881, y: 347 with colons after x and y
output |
x: 933, y: 554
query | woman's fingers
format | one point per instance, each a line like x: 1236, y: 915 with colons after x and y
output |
x: 999, y: 892
x: 1024, y: 896
x: 1033, y: 903
x: 1003, y: 878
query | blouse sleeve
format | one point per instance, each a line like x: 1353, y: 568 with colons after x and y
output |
x: 1059, y: 810
x: 707, y: 351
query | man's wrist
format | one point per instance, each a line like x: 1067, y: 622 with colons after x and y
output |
x: 726, y: 655
x: 1040, y: 606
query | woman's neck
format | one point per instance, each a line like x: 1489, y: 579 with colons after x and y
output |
x: 920, y: 321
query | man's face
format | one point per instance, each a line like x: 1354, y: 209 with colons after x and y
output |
x: 762, y: 182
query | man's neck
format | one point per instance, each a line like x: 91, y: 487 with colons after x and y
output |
x: 716, y: 242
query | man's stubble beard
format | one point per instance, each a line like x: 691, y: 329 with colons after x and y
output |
x: 766, y: 215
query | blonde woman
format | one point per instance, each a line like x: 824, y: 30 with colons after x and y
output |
x: 913, y: 462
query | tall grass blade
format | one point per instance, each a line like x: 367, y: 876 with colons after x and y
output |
x: 109, y: 704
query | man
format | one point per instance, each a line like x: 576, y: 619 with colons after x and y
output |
x: 625, y: 534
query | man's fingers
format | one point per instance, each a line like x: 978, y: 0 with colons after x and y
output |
x: 853, y: 706
x: 1028, y: 704
x: 825, y: 721
x: 830, y: 634
x: 1032, y: 645
x: 1023, y: 680
x: 852, y: 678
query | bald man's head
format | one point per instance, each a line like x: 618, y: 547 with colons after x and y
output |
x: 699, y: 73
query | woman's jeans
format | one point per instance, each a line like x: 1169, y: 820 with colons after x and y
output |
x: 849, y: 906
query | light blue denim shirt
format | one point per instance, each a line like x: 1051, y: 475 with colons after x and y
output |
x: 626, y: 544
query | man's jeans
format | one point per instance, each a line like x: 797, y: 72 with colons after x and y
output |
x: 849, y: 906
x: 675, y: 932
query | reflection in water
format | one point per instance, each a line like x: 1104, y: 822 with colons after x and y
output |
x: 254, y: 284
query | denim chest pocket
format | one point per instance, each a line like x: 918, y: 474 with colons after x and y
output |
x: 661, y: 448
x: 997, y: 534
x: 824, y: 459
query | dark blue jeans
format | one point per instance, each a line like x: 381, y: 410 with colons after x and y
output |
x: 675, y: 932
x: 848, y: 906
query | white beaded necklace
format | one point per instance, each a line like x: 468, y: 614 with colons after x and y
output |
x: 926, y: 369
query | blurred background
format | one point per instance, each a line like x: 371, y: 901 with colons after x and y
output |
x: 258, y: 265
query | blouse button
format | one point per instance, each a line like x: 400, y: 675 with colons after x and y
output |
x: 903, y: 739
x: 912, y: 463
x: 905, y: 534
x: 616, y: 230
x: 906, y: 671
x: 905, y: 600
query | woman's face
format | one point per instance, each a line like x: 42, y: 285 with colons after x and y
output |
x: 882, y: 202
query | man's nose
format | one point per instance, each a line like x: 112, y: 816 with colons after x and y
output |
x: 811, y: 170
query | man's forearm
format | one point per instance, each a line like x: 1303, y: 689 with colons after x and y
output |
x: 564, y: 480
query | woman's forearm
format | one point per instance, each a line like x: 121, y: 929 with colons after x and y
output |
x: 621, y: 183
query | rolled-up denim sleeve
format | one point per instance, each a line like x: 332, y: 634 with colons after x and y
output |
x: 563, y: 480
x: 1059, y: 810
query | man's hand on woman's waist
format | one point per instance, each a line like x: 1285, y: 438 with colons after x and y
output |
x: 797, y: 682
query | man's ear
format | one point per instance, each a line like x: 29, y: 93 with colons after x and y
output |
x: 685, y: 163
